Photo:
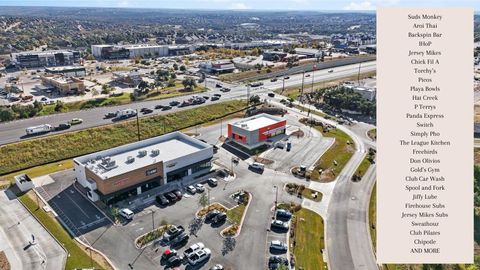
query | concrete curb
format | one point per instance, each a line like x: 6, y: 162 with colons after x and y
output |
x: 250, y: 198
x: 45, y: 228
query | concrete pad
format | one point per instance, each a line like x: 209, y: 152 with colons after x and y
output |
x: 42, y: 180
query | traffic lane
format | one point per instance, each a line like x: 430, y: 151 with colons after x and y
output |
x: 15, y: 130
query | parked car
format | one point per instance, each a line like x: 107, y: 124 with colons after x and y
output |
x: 190, y: 250
x: 210, y: 215
x: 62, y: 127
x: 199, y: 256
x: 181, y: 238
x: 173, y: 232
x: 217, y: 267
x: 166, y: 108
x: 167, y: 254
x: 171, y: 197
x: 215, y: 98
x: 199, y: 187
x: 257, y: 166
x: 158, y: 107
x: 212, y: 182
x: 205, y: 97
x: 275, y: 261
x: 217, y: 95
x: 218, y: 85
x: 178, y: 193
x: 220, y: 218
x: 191, y: 189
x: 289, y: 146
x: 271, y: 94
x: 225, y: 89
x: 278, y: 246
x: 174, y: 103
x: 162, y: 200
x: 282, y: 213
x: 76, y: 121
x: 279, y: 224
x: 110, y: 115
x: 126, y: 213
x: 174, y: 261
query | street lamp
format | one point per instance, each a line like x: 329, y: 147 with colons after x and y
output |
x: 130, y: 265
x: 138, y: 125
x: 153, y: 221
x: 276, y: 200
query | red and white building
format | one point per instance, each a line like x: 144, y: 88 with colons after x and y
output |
x: 256, y: 130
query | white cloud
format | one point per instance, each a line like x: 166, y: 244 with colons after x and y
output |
x: 238, y: 6
x: 123, y: 3
x: 363, y: 5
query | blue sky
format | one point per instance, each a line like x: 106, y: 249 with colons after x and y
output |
x: 247, y: 4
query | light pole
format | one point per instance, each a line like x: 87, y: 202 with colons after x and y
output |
x: 153, y: 220
x: 276, y: 200
x: 132, y: 263
x: 303, y: 79
x: 138, y: 125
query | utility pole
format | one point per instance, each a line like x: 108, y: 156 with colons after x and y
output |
x: 358, y: 76
x: 130, y: 265
x: 248, y: 94
x: 276, y: 200
x: 283, y: 87
x: 138, y: 126
x: 221, y: 127
x: 153, y: 221
x: 303, y: 80
x: 313, y: 75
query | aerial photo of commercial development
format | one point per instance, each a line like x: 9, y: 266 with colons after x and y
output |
x: 222, y: 138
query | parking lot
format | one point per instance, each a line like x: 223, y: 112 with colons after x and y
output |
x: 73, y: 209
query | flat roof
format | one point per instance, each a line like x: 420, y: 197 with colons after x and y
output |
x: 257, y: 121
x: 169, y: 146
x: 64, y: 68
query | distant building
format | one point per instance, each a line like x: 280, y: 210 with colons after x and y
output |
x: 68, y: 71
x: 131, y: 169
x: 217, y: 67
x: 256, y: 130
x: 274, y: 56
x: 138, y: 50
x: 131, y: 79
x: 309, y: 53
x: 65, y: 85
x: 33, y: 59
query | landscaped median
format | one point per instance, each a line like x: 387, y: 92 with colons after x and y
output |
x: 148, y: 238
x: 302, y: 191
x: 26, y: 154
x: 77, y: 257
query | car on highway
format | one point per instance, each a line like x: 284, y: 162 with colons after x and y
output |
x: 126, y: 213
x: 76, y: 121
x: 279, y: 224
x: 274, y: 79
x: 225, y: 89
x: 62, y: 127
x: 206, y: 97
x: 199, y: 256
x: 277, y: 245
x: 218, y: 85
x: 330, y: 71
x: 110, y: 115
x: 199, y: 187
x: 162, y: 200
x: 286, y: 78
x: 158, y: 107
x: 190, y: 250
x: 220, y: 218
x: 217, y: 267
x: 283, y: 214
x: 215, y: 98
x: 166, y: 108
x: 191, y: 189
x: 146, y: 110
x: 212, y: 182
x: 181, y: 238
x: 174, y: 103
x: 171, y: 197
x: 307, y: 75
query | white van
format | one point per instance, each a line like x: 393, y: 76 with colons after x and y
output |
x: 257, y: 166
x: 126, y: 213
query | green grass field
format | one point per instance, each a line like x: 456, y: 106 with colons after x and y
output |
x: 309, y: 240
x: 26, y: 154
x: 235, y: 214
x: 340, y: 152
x: 363, y: 167
x: 308, y: 193
x: 38, y: 171
x: 77, y: 258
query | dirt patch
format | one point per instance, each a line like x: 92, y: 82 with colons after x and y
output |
x: 4, y: 264
x: 299, y: 133
x: 265, y: 161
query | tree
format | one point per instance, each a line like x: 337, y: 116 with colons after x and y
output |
x: 143, y: 85
x: 203, y: 200
x: 189, y: 83
x: 6, y: 114
x: 59, y: 106
x: 255, y: 99
x: 183, y: 68
x: 173, y: 76
x: 175, y: 66
x: 105, y: 89
x: 171, y: 83
x: 37, y: 105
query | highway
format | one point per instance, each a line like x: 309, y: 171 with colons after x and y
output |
x: 15, y: 130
